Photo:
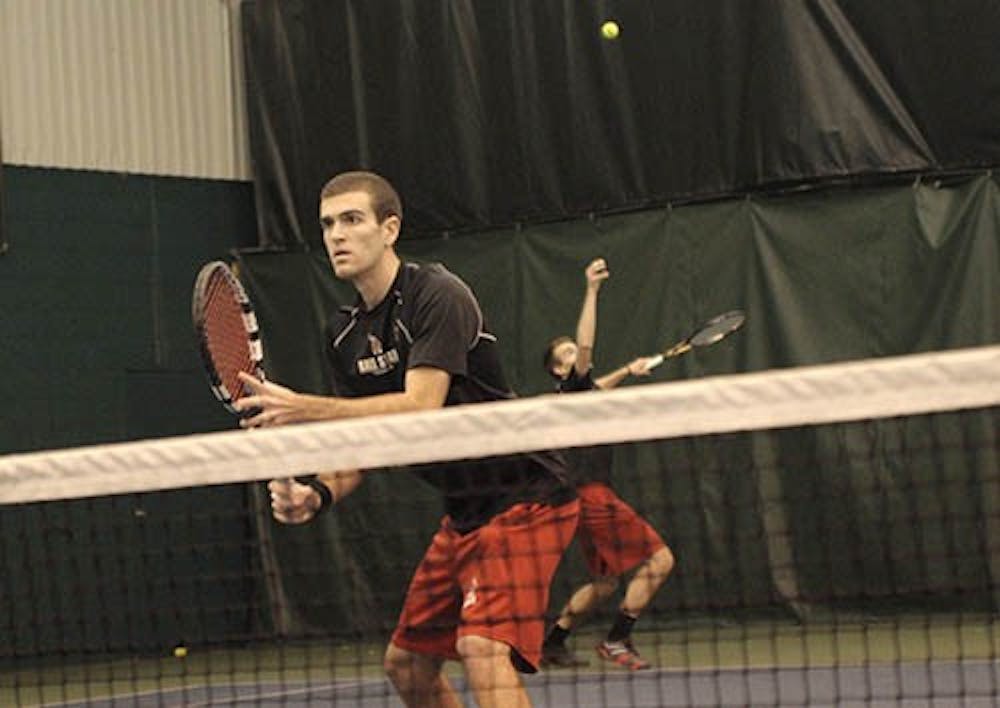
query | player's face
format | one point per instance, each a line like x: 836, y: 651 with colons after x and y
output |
x: 355, y: 241
x: 564, y: 358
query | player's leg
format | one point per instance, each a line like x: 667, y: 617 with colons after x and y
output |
x: 618, y: 647
x: 621, y: 541
x: 505, y: 569
x: 491, y: 673
x: 586, y: 599
x: 426, y: 632
x: 646, y: 581
x: 418, y: 679
x: 583, y: 602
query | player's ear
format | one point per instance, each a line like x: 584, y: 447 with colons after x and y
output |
x: 390, y: 228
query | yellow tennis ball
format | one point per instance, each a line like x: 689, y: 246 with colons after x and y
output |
x: 180, y: 652
x: 610, y: 30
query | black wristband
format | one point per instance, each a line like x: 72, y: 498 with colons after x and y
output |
x: 325, y: 495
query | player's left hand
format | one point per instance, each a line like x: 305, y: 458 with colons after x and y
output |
x: 293, y: 502
x: 596, y: 273
x: 269, y: 404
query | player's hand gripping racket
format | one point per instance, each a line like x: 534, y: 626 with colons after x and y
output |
x: 715, y: 330
x: 227, y: 331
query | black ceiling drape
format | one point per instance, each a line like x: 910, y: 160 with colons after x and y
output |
x: 487, y: 112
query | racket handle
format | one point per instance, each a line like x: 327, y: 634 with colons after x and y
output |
x: 654, y: 362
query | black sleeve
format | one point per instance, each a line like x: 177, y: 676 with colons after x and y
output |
x: 575, y: 383
x: 446, y: 324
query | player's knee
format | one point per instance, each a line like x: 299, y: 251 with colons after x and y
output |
x: 605, y: 585
x: 662, y: 562
x: 398, y: 664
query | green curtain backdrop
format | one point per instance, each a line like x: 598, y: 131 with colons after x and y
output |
x: 755, y: 521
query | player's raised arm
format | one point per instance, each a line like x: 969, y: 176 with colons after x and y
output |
x: 586, y: 327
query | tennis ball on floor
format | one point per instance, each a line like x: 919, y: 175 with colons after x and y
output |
x: 180, y: 652
x: 610, y: 30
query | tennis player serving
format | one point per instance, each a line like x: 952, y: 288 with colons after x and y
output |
x: 613, y: 537
x: 415, y: 339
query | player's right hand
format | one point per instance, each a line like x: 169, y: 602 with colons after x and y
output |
x: 596, y: 272
x: 640, y: 366
x: 292, y: 502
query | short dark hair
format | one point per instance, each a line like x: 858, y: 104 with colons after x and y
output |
x: 550, y: 353
x: 385, y: 199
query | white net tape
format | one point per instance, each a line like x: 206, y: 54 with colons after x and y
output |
x: 871, y: 388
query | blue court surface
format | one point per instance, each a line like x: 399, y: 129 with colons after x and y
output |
x: 970, y: 684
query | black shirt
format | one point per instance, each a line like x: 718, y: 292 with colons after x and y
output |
x: 587, y: 464
x: 431, y: 318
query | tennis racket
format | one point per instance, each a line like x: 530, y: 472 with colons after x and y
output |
x: 712, y: 331
x: 228, y: 335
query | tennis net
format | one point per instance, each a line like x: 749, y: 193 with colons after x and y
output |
x: 835, y: 530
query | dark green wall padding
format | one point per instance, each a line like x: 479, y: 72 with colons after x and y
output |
x: 97, y: 346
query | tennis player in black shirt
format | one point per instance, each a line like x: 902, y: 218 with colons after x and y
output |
x: 613, y: 537
x: 416, y: 339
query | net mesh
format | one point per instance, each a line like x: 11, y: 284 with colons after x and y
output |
x: 834, y: 532
x: 225, y: 335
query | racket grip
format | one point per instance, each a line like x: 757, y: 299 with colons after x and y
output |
x: 654, y: 362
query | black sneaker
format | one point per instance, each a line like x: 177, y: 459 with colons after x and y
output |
x: 559, y: 656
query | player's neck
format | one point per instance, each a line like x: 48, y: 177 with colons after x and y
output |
x: 374, y: 284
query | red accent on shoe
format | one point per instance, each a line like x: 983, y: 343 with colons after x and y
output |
x: 623, y: 654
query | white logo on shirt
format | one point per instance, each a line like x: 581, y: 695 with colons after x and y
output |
x: 470, y: 595
x: 381, y: 361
